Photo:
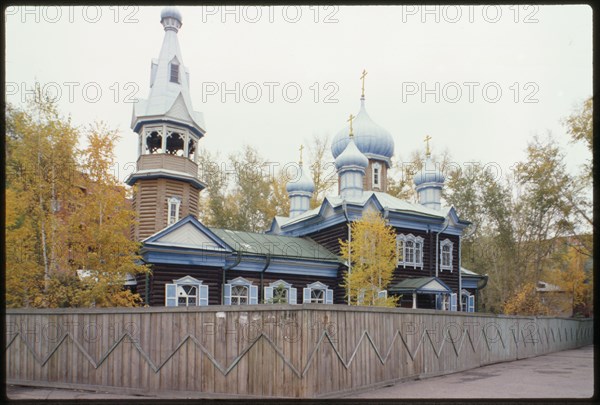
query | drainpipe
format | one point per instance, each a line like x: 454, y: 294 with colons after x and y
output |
x: 437, y: 246
x: 459, y: 266
x: 430, y: 248
x: 225, y: 268
x: 385, y: 218
x: 262, y: 272
x: 147, y: 289
x: 459, y: 296
x: 349, y: 241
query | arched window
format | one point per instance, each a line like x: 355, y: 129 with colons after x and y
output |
x: 446, y: 254
x: 154, y: 142
x: 186, y: 292
x: 317, y: 293
x: 409, y: 250
x: 240, y: 291
x: 175, y: 144
x: 280, y: 292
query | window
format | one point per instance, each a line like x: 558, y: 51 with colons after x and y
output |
x: 239, y: 295
x: 192, y: 149
x: 409, y: 250
x: 174, y: 73
x: 280, y: 292
x: 240, y: 291
x: 186, y: 292
x: 467, y: 301
x: 376, y: 175
x: 442, y: 302
x: 317, y: 293
x: 175, y: 143
x: 154, y: 141
x: 173, y: 213
x: 446, y: 255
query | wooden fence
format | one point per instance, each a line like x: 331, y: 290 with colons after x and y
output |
x: 308, y: 350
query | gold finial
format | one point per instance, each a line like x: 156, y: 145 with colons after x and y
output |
x: 427, y: 151
x: 350, y: 121
x: 362, y: 77
x: 301, y: 149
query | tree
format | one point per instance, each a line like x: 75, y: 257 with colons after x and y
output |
x: 54, y: 191
x: 400, y: 179
x: 542, y: 213
x: 98, y: 236
x: 580, y: 127
x: 322, y: 169
x: 525, y: 301
x: 371, y: 255
x: 573, y: 281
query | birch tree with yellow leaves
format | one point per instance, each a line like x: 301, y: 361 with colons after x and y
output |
x: 371, y: 257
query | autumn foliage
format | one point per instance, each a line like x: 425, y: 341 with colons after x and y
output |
x: 372, y: 255
x: 65, y: 211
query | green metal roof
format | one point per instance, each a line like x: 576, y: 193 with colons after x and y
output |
x: 275, y: 245
x: 414, y: 284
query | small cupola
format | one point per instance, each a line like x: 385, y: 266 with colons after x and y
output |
x: 300, y: 190
x: 429, y: 181
x: 351, y: 165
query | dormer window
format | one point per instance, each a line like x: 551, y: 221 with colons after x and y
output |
x: 376, y: 175
x: 174, y: 73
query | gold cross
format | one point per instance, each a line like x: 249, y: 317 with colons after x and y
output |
x: 362, y: 77
x: 301, y: 149
x: 427, y: 151
x: 350, y: 121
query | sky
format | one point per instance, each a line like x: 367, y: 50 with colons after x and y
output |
x: 481, y: 81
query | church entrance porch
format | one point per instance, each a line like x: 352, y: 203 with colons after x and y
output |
x: 424, y: 293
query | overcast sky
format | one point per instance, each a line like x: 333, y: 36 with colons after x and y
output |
x: 480, y: 80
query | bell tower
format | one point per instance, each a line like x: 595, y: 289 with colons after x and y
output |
x: 166, y: 183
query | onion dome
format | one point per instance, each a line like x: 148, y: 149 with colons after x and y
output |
x: 429, y: 173
x: 351, y: 156
x: 302, y: 183
x: 374, y: 141
x: 171, y: 12
x: 170, y: 18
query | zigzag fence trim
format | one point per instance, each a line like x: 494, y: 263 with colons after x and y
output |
x: 267, y: 350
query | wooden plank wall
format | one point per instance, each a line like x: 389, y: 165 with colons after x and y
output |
x: 266, y: 350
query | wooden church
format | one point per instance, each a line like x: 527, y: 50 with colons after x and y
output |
x: 193, y: 264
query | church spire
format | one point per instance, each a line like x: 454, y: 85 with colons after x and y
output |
x: 169, y: 97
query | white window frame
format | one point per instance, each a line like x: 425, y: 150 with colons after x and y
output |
x: 174, y: 291
x: 327, y: 294
x: 251, y: 290
x: 376, y: 175
x: 417, y: 250
x: 173, y: 205
x: 291, y: 293
x: 446, y: 243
